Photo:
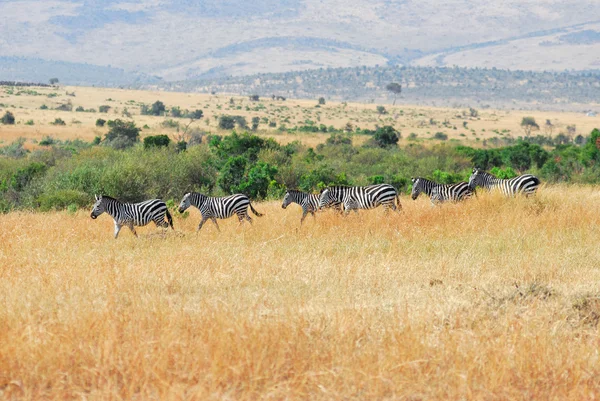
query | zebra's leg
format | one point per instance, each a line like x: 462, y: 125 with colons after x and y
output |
x: 117, y: 229
x: 132, y: 228
x: 248, y: 218
x: 201, y: 224
x: 214, y: 220
x: 304, y: 213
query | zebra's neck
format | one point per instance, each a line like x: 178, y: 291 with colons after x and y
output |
x: 427, y: 186
x: 198, y: 199
x: 113, y: 207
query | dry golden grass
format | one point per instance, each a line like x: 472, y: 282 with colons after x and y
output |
x: 407, y: 119
x: 418, y: 306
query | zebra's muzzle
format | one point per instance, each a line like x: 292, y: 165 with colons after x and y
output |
x: 93, y: 216
x: 283, y: 206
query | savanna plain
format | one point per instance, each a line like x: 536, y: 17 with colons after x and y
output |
x: 490, y: 299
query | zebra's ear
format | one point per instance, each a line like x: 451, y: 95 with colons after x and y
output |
x: 96, y: 196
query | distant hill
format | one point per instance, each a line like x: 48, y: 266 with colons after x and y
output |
x: 199, y: 39
x: 420, y: 85
x: 36, y: 70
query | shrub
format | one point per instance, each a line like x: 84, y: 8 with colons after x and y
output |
x: 79, y: 109
x: 48, y: 141
x: 58, y: 121
x: 63, y: 199
x: 381, y: 110
x: 8, y: 118
x: 29, y: 122
x: 104, y: 108
x: 386, y: 136
x: 100, y: 122
x: 321, y: 100
x: 43, y: 107
x: 122, y: 134
x: 226, y: 122
x: 156, y: 141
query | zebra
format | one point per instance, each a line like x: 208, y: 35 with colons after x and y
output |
x: 218, y: 208
x: 309, y: 202
x: 526, y: 184
x: 132, y: 214
x: 439, y: 192
x: 354, y: 198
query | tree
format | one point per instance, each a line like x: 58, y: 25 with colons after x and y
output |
x: 8, y: 118
x: 254, y: 98
x: 53, y: 81
x: 548, y: 127
x: 156, y: 141
x: 386, y: 136
x: 196, y: 114
x: 122, y: 134
x: 158, y: 108
x: 381, y: 110
x: 100, y: 122
x: 321, y: 100
x: 226, y: 122
x: 528, y: 124
x: 255, y: 122
x: 395, y: 88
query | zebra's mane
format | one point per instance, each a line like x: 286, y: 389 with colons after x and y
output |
x: 109, y: 198
x: 297, y: 191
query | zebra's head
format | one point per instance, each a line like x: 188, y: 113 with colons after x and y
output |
x: 416, y: 188
x: 98, y: 208
x: 287, y: 199
x: 476, y: 178
x: 326, y: 198
x: 185, y: 202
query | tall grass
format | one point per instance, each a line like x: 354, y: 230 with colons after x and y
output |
x: 491, y: 299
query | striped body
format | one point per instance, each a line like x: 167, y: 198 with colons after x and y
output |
x: 133, y: 214
x: 524, y: 184
x: 308, y: 202
x: 218, y: 208
x: 354, y: 198
x: 440, y: 192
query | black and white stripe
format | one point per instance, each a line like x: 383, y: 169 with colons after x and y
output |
x: 440, y: 192
x: 132, y: 214
x: 308, y: 202
x: 218, y: 208
x: 524, y: 184
x: 354, y: 198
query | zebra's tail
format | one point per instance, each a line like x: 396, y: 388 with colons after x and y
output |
x: 254, y: 211
x: 398, y: 201
x: 169, y: 218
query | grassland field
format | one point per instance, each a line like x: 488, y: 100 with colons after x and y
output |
x: 489, y: 299
x: 25, y: 104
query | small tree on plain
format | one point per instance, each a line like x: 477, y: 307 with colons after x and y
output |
x: 8, y: 118
x: 395, y: 88
x: 321, y: 100
x: 528, y: 124
x: 53, y: 81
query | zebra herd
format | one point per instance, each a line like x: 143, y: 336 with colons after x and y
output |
x: 342, y: 198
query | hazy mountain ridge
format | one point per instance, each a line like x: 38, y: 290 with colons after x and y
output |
x: 194, y: 39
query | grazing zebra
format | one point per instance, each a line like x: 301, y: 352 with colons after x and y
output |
x: 354, y: 198
x: 309, y: 202
x: 526, y: 184
x: 439, y: 192
x: 218, y: 208
x: 132, y: 214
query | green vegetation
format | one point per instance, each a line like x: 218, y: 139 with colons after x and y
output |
x: 68, y: 174
x: 8, y: 118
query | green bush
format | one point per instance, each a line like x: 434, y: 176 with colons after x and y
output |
x: 8, y: 118
x: 156, y: 141
x: 100, y: 122
x: 63, y: 199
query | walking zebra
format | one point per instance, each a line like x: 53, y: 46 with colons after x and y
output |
x: 218, y: 208
x: 309, y: 202
x: 439, y: 192
x: 526, y: 184
x: 354, y: 198
x: 132, y: 214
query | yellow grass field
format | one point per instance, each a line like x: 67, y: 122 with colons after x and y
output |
x: 420, y: 120
x: 492, y: 299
